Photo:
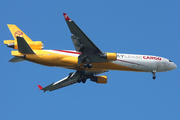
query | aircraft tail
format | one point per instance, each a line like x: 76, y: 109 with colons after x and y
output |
x: 23, y: 49
x: 15, y: 31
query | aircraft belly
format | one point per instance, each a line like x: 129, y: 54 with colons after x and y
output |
x: 143, y: 65
x: 51, y: 59
x: 34, y: 58
x: 113, y: 66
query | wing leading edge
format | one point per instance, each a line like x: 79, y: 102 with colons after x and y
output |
x: 83, y: 44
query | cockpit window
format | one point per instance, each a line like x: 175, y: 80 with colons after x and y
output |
x: 170, y: 61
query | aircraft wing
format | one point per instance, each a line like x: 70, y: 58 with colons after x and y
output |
x: 82, y: 43
x: 71, y: 79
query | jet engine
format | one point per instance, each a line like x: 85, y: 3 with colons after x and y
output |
x: 99, y: 79
x: 109, y: 56
x: 36, y: 45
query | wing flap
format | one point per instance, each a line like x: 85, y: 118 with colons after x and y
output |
x: 76, y: 43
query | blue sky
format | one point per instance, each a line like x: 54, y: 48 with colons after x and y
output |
x: 124, y: 26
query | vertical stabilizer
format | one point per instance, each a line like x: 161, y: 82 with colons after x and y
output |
x: 15, y: 31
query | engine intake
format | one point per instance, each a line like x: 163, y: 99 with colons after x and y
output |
x: 99, y: 79
x: 37, y: 45
x: 109, y: 56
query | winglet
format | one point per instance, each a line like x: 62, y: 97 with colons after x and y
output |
x: 66, y: 16
x: 40, y: 87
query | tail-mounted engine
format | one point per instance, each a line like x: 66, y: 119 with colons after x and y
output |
x: 109, y: 56
x: 35, y: 45
x: 99, y: 79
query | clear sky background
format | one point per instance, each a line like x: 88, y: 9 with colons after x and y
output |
x: 125, y: 26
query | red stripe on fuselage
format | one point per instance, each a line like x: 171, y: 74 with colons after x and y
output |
x: 130, y: 62
x: 68, y: 51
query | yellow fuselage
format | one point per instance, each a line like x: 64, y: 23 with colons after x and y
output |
x: 67, y: 59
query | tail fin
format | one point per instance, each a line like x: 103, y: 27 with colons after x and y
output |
x: 23, y: 48
x: 15, y: 31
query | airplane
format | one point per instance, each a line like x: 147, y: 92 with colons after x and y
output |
x: 88, y: 60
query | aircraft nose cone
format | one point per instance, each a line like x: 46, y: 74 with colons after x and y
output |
x: 173, y: 66
x: 170, y: 66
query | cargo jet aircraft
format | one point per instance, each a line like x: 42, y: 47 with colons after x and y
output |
x: 88, y: 60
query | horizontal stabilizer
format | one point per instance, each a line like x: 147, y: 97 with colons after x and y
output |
x: 16, y: 59
x: 23, y: 46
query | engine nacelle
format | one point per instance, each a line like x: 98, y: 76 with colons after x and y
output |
x: 36, y: 45
x: 99, y: 79
x: 109, y: 56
